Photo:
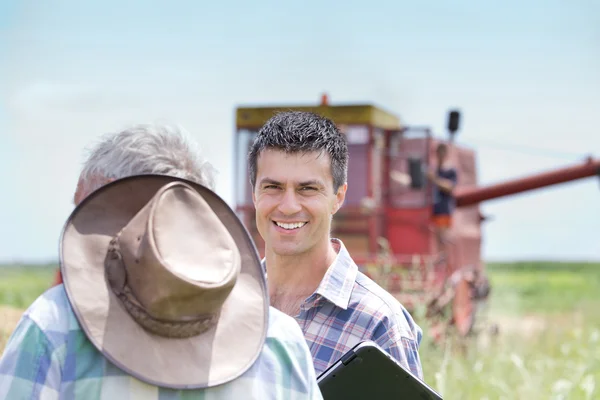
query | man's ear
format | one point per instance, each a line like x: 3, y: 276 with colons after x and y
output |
x: 339, y: 198
x: 79, y: 195
x: 83, y: 191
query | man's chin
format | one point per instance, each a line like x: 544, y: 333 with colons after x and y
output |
x: 286, y: 250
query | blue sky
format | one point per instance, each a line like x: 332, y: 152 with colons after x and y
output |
x: 523, y: 73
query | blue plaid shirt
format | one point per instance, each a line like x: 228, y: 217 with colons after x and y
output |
x: 348, y: 308
x: 49, y: 357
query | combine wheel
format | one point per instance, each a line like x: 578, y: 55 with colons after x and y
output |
x: 463, y: 307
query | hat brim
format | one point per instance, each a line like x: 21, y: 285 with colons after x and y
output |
x: 215, y: 357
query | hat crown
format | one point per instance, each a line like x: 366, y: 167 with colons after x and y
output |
x: 181, y: 347
x: 176, y: 261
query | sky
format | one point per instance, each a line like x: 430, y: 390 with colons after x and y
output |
x: 525, y: 75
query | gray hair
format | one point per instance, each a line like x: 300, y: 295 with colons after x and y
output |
x: 146, y: 149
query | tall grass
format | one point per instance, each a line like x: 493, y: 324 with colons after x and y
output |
x: 559, y: 361
x: 548, y: 346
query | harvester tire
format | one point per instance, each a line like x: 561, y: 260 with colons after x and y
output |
x: 463, y: 308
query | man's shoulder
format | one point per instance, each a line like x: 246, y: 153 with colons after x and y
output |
x: 372, y: 294
x: 368, y: 297
x: 283, y: 327
x: 52, y: 312
x: 285, y: 342
x: 373, y: 299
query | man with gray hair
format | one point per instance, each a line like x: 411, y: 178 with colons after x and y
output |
x: 142, y: 149
x: 163, y: 296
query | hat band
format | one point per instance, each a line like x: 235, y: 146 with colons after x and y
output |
x: 117, y: 278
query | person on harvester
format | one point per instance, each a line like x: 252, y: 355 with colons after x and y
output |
x: 444, y: 179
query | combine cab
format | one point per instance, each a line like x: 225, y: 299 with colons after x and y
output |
x: 386, y: 222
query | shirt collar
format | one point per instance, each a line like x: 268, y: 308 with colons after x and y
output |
x: 339, y: 279
x: 336, y: 286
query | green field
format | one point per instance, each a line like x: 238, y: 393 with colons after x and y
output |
x: 548, y: 345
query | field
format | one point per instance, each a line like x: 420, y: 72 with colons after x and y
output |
x: 547, y: 346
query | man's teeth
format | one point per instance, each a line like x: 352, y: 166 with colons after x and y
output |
x: 291, y: 226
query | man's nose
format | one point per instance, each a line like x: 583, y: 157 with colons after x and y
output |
x: 289, y: 203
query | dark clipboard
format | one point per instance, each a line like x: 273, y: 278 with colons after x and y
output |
x: 369, y: 372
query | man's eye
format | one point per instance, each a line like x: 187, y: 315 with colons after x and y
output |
x: 309, y: 188
x: 271, y: 187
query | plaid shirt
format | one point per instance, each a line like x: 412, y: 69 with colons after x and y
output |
x: 48, y: 356
x: 348, y: 308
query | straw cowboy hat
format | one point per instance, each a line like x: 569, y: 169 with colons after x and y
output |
x: 165, y: 281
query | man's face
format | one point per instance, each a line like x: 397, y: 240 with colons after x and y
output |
x: 441, y: 155
x: 294, y: 200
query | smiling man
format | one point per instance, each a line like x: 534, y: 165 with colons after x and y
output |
x: 298, y: 166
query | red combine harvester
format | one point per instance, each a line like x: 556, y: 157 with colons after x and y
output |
x: 386, y: 224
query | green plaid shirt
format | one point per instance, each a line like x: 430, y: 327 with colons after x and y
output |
x: 48, y: 356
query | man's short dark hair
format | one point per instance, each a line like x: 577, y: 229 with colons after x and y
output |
x: 302, y: 132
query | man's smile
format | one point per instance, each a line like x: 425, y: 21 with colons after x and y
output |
x: 290, y: 226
